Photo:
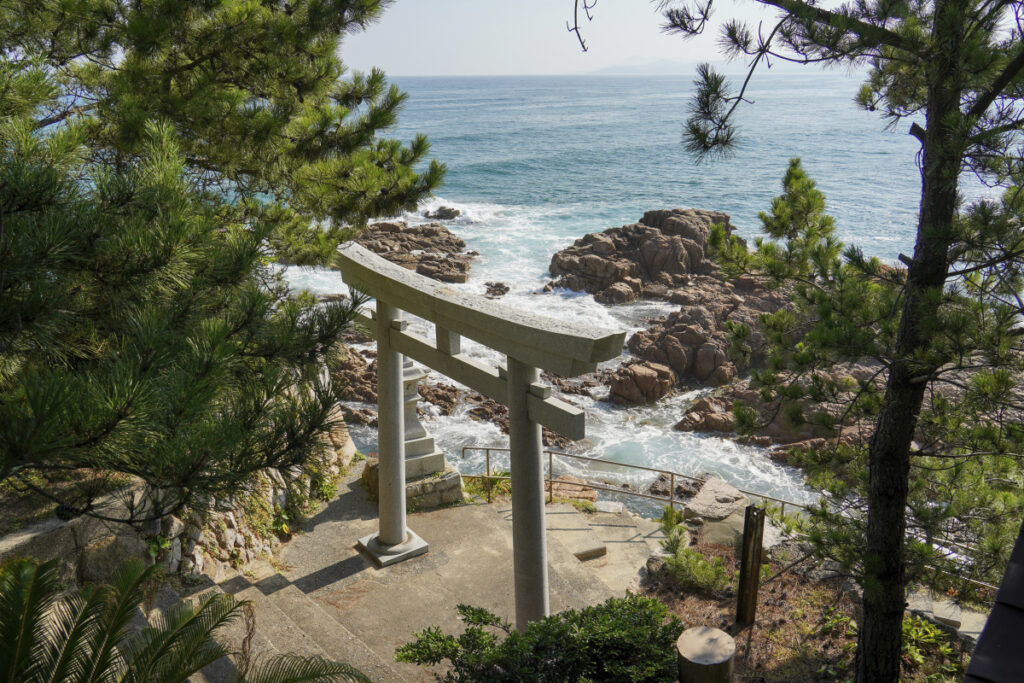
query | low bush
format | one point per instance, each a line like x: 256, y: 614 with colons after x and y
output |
x: 623, y: 639
x: 691, y: 570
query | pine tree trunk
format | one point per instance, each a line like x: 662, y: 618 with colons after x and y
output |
x: 880, y: 639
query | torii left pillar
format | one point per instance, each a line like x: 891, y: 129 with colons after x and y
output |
x: 394, y: 541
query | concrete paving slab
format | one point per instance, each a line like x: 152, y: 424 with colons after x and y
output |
x: 470, y: 561
x: 971, y: 625
x: 569, y: 526
x: 627, y: 551
x: 651, y: 531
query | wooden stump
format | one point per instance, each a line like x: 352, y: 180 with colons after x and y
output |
x: 705, y: 655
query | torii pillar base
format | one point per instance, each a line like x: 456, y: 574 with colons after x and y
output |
x: 385, y: 555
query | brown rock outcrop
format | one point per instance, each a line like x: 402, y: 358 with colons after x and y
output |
x: 496, y: 290
x: 664, y: 256
x: 713, y: 413
x: 685, y: 488
x: 431, y: 249
x: 618, y: 264
x: 643, y: 382
x: 444, y: 396
x: 694, y: 341
x: 356, y: 376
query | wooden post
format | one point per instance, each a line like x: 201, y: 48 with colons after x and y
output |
x: 750, y: 565
x: 529, y: 545
x: 705, y: 655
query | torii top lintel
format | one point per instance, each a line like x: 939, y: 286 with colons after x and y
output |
x: 562, y: 348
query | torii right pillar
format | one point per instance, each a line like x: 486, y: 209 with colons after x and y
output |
x: 530, y: 558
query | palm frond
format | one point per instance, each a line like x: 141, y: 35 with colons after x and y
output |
x: 71, y: 627
x: 27, y: 591
x: 183, y: 643
x: 121, y: 599
x: 294, y: 669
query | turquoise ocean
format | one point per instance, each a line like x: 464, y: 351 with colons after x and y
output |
x: 535, y: 162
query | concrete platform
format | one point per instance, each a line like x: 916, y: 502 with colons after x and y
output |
x: 470, y: 561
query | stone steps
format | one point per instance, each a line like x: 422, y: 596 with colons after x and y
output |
x: 337, y: 642
x: 628, y: 547
x: 287, y: 621
x: 330, y: 600
x: 568, y: 525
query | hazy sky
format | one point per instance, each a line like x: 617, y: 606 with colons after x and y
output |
x: 449, y: 37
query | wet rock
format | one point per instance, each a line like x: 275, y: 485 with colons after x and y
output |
x: 616, y: 293
x: 583, y: 385
x: 443, y: 213
x: 685, y: 488
x: 643, y: 382
x: 496, y: 290
x: 359, y: 416
x: 444, y: 396
x: 488, y: 410
x: 431, y: 249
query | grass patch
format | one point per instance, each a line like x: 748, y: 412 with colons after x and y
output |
x: 480, y: 488
x: 584, y: 506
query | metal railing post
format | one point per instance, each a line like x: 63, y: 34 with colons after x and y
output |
x: 551, y: 477
x: 672, y: 490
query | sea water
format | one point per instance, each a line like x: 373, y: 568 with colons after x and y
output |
x: 536, y: 162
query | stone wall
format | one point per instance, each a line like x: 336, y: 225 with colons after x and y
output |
x: 228, y: 532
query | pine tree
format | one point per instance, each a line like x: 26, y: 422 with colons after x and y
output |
x: 156, y: 157
x: 955, y: 67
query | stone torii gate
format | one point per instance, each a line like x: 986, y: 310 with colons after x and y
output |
x: 529, y: 342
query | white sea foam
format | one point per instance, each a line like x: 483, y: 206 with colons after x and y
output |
x: 515, y: 245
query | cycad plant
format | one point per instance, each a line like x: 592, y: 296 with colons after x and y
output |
x: 87, y: 635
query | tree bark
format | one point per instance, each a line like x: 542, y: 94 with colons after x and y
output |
x: 880, y: 636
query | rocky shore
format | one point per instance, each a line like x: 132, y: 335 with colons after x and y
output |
x: 662, y: 256
x: 430, y: 249
x: 647, y: 258
x: 665, y: 256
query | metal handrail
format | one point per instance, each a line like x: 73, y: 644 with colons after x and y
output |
x: 671, y: 494
x: 672, y: 500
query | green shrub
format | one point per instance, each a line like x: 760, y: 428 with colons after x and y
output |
x: 671, y: 526
x: 928, y: 650
x: 623, y: 639
x: 691, y: 570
